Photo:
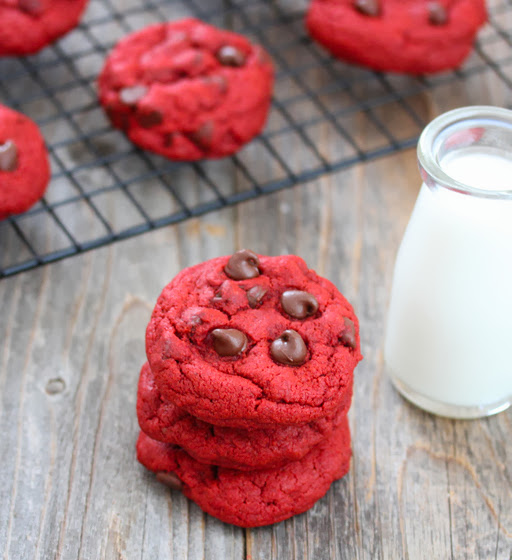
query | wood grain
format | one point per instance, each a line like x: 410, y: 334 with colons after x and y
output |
x: 72, y: 343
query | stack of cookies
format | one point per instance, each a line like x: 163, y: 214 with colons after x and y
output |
x: 243, y: 401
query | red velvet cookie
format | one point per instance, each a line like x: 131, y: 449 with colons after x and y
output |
x: 414, y: 37
x: 251, y: 499
x: 24, y: 166
x: 187, y: 90
x: 235, y: 448
x: 248, y: 341
x: 26, y: 26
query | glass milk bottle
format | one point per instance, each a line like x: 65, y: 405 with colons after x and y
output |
x: 448, y: 346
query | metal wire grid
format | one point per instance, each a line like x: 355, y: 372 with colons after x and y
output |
x: 105, y: 189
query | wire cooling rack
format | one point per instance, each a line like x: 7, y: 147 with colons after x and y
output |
x: 105, y: 189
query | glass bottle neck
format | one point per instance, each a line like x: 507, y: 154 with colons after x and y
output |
x: 469, y: 150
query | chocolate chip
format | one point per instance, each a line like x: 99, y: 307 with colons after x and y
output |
x: 255, y: 295
x: 348, y: 336
x: 149, y: 119
x: 203, y: 136
x: 229, y: 342
x: 169, y: 139
x: 169, y: 479
x: 123, y: 121
x: 437, y: 14
x: 299, y: 304
x: 8, y: 156
x: 243, y: 265
x: 131, y: 95
x: 368, y: 7
x: 231, y: 56
x: 289, y: 349
x: 119, y: 119
x: 32, y: 7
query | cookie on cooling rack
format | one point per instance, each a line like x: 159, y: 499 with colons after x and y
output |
x: 187, y: 90
x: 26, y: 26
x: 414, y: 37
x: 255, y: 498
x: 24, y: 166
x: 252, y: 341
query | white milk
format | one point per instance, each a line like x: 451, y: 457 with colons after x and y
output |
x: 449, y: 335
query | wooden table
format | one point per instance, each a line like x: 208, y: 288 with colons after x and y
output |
x: 72, y: 342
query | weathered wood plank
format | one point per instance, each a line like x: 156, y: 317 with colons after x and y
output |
x: 72, y: 342
x: 70, y: 482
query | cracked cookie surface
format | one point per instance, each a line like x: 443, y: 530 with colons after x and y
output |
x: 306, y: 378
x: 26, y: 26
x: 24, y: 165
x: 414, y: 37
x: 256, y: 498
x: 235, y: 448
x: 187, y: 90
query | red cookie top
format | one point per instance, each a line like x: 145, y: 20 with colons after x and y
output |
x: 24, y: 166
x: 235, y: 448
x: 26, y: 26
x: 414, y: 36
x: 246, y: 341
x: 256, y: 498
x: 187, y: 90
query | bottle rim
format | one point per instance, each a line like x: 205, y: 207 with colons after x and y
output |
x: 472, y: 118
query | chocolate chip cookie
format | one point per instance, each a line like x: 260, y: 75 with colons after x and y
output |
x: 256, y: 498
x: 187, y: 90
x: 414, y: 37
x: 26, y: 26
x: 251, y: 341
x: 24, y: 165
